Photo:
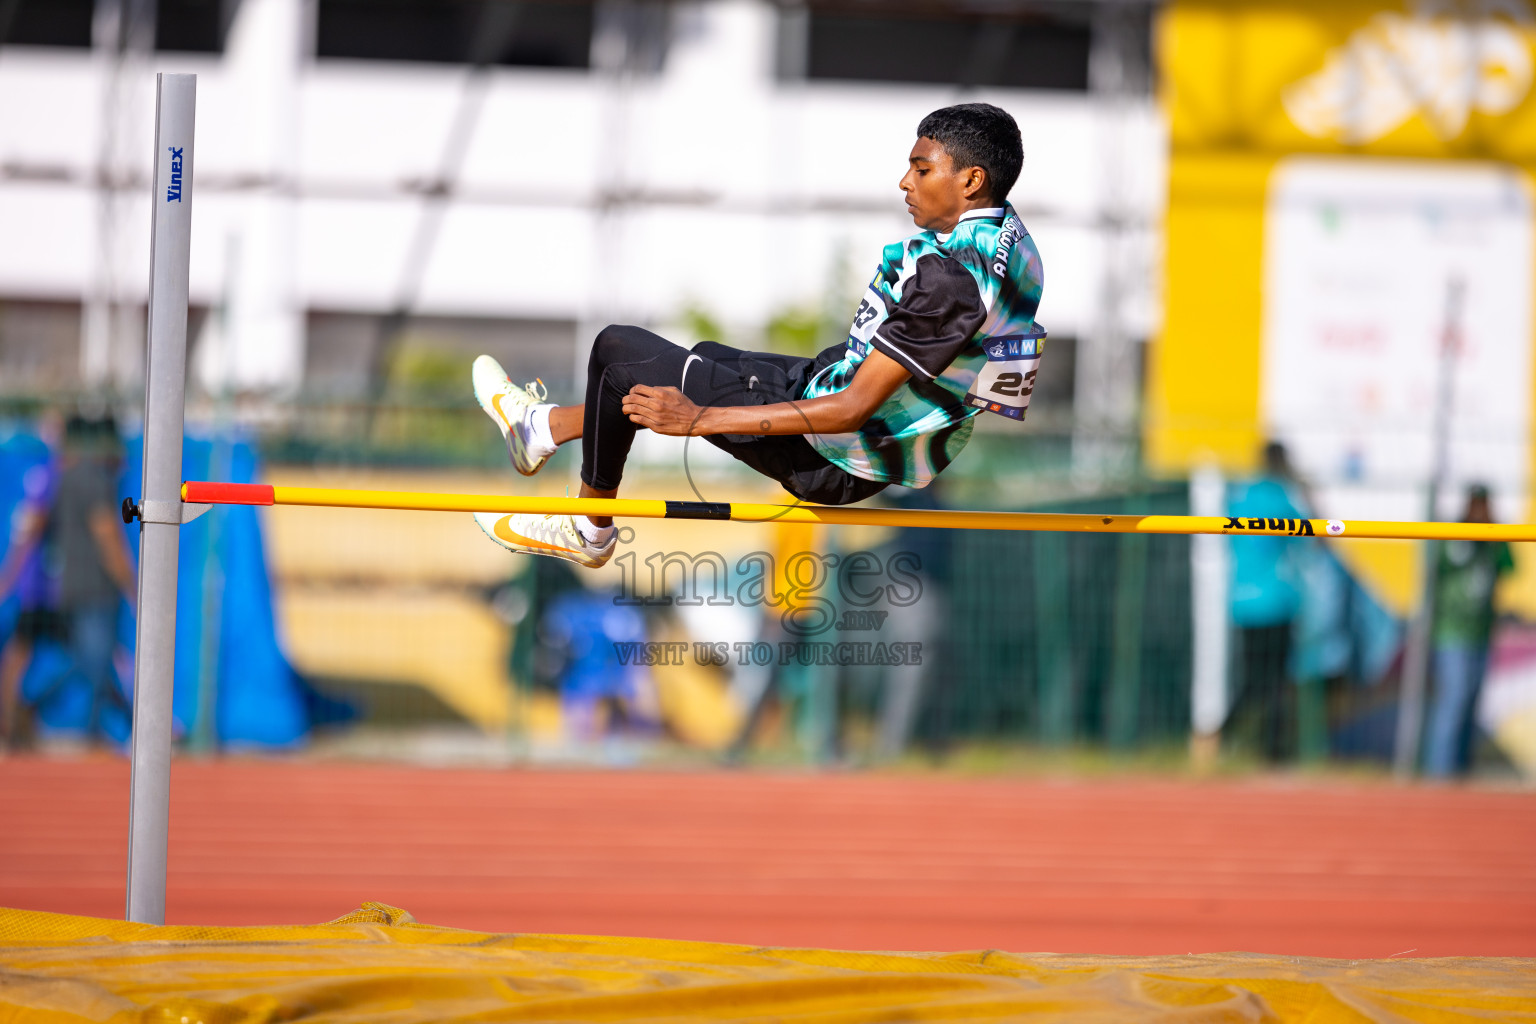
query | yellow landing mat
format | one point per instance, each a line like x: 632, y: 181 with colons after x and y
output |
x: 378, y: 964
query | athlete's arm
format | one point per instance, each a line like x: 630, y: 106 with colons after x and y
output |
x: 669, y: 411
x: 940, y: 311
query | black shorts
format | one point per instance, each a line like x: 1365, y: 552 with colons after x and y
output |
x: 710, y: 374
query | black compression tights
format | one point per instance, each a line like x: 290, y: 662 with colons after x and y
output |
x: 710, y: 374
x: 621, y: 358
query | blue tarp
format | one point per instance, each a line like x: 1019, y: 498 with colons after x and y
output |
x: 1342, y: 630
x: 226, y: 634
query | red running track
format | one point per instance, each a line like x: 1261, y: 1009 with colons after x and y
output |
x: 850, y: 861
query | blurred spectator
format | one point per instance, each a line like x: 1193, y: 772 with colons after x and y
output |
x: 1468, y: 572
x: 86, y: 556
x: 1265, y: 600
x: 600, y: 691
x: 24, y: 574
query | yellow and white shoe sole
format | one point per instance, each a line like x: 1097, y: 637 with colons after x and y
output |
x: 544, y: 535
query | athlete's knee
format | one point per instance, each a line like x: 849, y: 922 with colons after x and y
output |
x: 613, y: 344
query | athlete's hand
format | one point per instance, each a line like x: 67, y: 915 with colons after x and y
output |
x: 664, y: 410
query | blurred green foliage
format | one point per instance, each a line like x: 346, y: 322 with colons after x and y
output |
x: 793, y: 330
x: 796, y: 331
x: 703, y: 324
x: 419, y: 370
x: 426, y: 410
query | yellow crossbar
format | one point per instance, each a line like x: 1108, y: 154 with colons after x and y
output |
x: 748, y: 512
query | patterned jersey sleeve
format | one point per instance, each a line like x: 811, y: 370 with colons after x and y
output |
x: 939, y: 313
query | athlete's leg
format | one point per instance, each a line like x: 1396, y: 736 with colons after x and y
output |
x: 622, y: 357
x: 588, y: 491
x: 565, y: 422
x: 710, y: 374
x: 618, y: 353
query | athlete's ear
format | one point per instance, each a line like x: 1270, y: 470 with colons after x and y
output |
x: 975, y: 182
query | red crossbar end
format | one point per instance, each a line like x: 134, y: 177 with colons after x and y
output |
x: 226, y: 494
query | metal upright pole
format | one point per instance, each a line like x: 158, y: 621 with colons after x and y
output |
x: 160, y: 506
x: 1415, y: 684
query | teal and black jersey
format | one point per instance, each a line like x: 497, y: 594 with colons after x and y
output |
x: 941, y: 305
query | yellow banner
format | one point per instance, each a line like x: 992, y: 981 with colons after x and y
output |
x: 1437, y: 78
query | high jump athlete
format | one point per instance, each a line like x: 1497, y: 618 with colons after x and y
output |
x: 945, y: 330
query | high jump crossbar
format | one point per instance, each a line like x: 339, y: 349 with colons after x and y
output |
x: 198, y: 492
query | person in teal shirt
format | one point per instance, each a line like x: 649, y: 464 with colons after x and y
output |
x: 1265, y: 600
x: 1467, y: 576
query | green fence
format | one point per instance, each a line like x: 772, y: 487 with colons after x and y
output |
x: 1068, y: 638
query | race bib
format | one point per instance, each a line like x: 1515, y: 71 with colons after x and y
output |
x: 1006, y: 381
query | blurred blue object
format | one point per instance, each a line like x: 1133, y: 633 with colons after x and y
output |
x: 260, y: 700
x: 62, y: 695
x: 1342, y: 629
x: 19, y: 452
x: 585, y: 625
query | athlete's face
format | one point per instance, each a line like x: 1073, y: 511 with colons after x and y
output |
x: 937, y: 191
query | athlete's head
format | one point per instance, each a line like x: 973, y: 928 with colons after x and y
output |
x: 966, y: 157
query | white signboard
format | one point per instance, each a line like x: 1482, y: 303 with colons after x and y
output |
x: 1364, y: 263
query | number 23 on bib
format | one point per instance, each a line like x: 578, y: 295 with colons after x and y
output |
x: 1006, y: 380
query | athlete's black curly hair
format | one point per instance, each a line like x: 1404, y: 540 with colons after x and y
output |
x: 979, y: 135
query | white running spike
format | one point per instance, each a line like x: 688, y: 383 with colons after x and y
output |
x: 557, y: 536
x: 510, y: 407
